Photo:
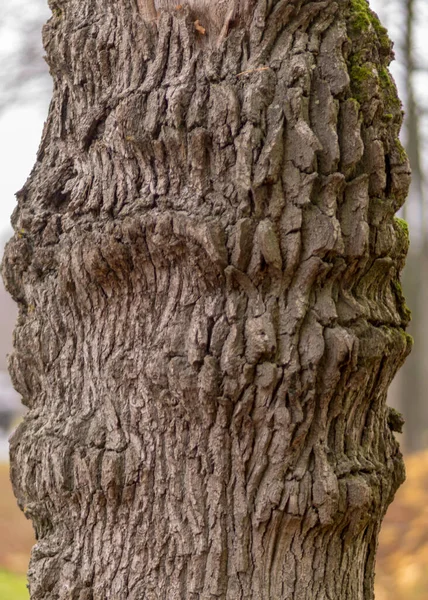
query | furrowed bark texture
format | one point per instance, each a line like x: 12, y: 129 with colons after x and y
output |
x: 207, y: 264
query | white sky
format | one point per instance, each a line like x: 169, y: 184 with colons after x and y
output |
x: 20, y: 133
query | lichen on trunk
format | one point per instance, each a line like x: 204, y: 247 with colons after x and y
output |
x: 207, y: 266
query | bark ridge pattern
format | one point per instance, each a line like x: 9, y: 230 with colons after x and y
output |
x: 207, y: 262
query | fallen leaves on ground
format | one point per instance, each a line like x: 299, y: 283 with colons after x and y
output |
x: 16, y: 533
x: 402, y: 560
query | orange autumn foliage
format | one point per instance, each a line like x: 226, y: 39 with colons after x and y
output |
x: 402, y: 560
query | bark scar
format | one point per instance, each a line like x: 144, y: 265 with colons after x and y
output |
x: 147, y: 9
x: 226, y: 26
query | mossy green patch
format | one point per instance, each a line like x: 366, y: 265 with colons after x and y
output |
x: 13, y: 587
x: 360, y: 15
x: 385, y: 78
x: 409, y: 338
x: 363, y: 78
x: 402, y: 236
x: 404, y: 310
x: 389, y: 89
x: 363, y: 19
x: 401, y: 151
x: 367, y: 67
x: 360, y: 73
x: 403, y: 225
x: 382, y: 34
x: 370, y: 75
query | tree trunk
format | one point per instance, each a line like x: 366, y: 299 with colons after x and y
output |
x: 207, y: 266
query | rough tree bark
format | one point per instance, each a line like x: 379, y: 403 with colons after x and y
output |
x: 206, y: 262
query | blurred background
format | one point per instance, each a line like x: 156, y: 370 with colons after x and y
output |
x: 25, y: 86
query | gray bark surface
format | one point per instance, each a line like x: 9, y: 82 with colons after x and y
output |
x: 206, y: 263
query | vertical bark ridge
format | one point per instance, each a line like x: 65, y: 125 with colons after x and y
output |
x: 207, y: 265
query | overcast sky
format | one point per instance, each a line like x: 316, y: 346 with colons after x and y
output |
x: 20, y: 132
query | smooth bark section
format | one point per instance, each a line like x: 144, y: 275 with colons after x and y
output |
x: 207, y: 265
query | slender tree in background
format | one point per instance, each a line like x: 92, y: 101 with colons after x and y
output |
x: 206, y: 262
x: 413, y: 379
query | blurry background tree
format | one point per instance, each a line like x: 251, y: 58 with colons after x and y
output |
x: 407, y: 23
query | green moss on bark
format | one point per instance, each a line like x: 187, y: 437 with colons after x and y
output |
x: 364, y: 80
x: 402, y: 232
x: 369, y: 58
x: 363, y: 19
x: 403, y: 225
x: 401, y: 151
x: 360, y: 19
